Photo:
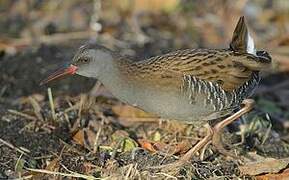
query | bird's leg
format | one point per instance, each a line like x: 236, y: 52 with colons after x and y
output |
x: 213, y: 135
x: 217, y: 129
x: 184, y: 159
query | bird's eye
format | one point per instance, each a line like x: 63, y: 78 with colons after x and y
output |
x: 84, y: 60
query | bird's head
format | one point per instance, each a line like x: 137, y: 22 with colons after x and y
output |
x: 89, y: 61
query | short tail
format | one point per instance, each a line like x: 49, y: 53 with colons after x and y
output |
x: 242, y: 41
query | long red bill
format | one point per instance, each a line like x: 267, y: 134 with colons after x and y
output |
x: 59, y: 73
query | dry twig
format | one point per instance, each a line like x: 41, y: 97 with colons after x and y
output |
x: 36, y: 107
x: 22, y: 151
x: 22, y: 114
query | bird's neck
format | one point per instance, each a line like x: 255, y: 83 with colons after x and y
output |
x: 112, y: 74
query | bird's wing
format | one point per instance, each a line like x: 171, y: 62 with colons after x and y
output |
x: 225, y: 67
x: 218, y: 67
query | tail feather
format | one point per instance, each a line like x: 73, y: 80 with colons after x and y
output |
x: 242, y: 41
x: 250, y: 45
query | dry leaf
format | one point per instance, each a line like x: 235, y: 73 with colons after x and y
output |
x: 263, y: 165
x: 129, y: 115
x: 147, y: 145
x: 280, y: 176
x: 53, y: 165
x: 130, y: 112
x: 87, y: 136
x: 79, y: 137
x: 182, y: 147
x: 152, y: 146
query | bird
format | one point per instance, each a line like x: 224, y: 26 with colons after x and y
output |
x: 195, y: 86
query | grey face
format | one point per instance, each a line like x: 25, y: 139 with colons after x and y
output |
x: 91, y: 61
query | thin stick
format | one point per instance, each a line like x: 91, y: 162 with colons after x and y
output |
x: 51, y: 103
x: 71, y: 108
x: 168, y: 176
x: 128, y: 171
x: 95, y: 145
x: 36, y: 107
x: 81, y: 104
x: 67, y: 119
x: 24, y: 177
x: 74, y: 174
x: 17, y: 162
x: 15, y: 148
x: 22, y: 114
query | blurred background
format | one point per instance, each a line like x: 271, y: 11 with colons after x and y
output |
x: 37, y: 36
x: 141, y: 27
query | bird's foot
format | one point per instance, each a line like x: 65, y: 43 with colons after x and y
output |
x: 201, y: 145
